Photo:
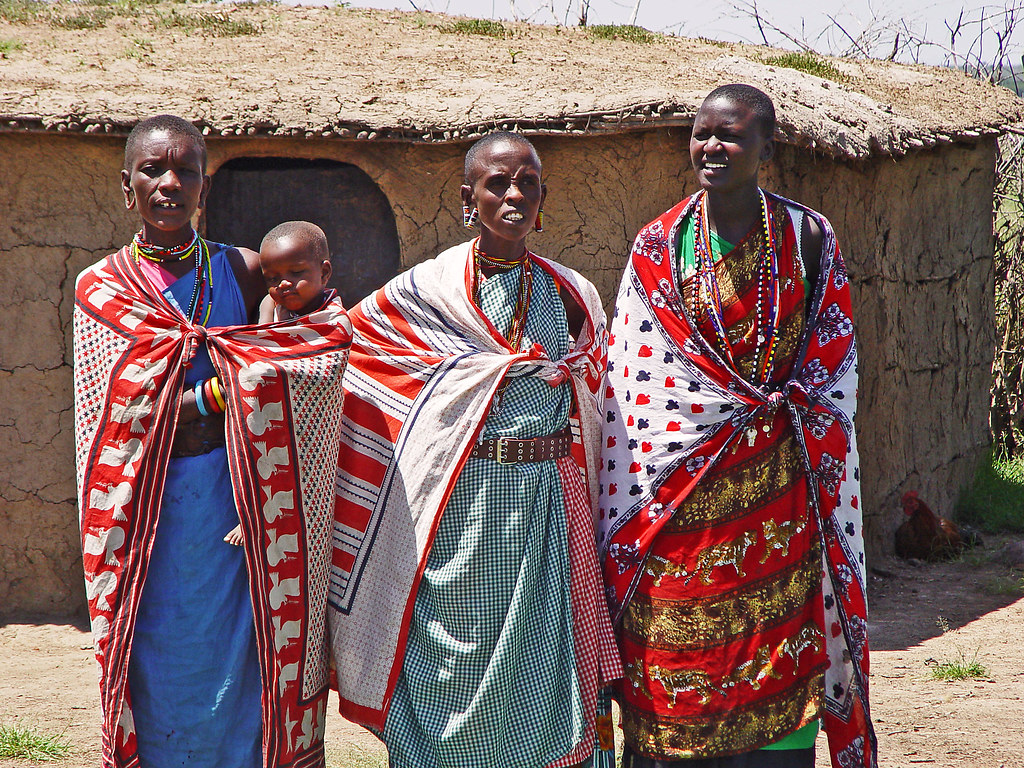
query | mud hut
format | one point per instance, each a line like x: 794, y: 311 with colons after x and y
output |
x: 358, y: 120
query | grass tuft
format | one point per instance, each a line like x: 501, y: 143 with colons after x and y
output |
x: 627, y: 32
x: 809, y: 63
x: 21, y: 11
x: 94, y: 19
x: 960, y: 668
x: 24, y: 743
x: 140, y: 48
x: 9, y: 46
x: 716, y: 43
x: 485, y: 27
x: 995, y: 500
x: 1005, y: 586
x: 218, y: 24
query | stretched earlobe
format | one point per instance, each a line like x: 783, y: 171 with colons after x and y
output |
x: 469, y: 217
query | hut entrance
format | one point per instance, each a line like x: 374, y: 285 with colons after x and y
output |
x: 252, y: 195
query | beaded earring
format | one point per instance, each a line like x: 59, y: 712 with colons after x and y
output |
x: 469, y: 217
x: 538, y: 225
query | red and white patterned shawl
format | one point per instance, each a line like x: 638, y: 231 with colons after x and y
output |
x: 425, y: 365
x: 283, y: 388
x: 694, y: 406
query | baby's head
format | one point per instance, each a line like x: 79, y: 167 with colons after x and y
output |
x: 296, y: 264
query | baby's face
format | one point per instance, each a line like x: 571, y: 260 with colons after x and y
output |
x: 295, y: 278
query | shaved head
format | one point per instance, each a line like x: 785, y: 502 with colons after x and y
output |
x: 755, y: 100
x: 173, y: 125
x: 470, y: 170
x: 305, y: 232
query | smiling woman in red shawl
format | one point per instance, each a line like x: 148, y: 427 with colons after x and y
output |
x: 730, y: 515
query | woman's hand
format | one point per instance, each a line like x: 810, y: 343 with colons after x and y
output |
x: 189, y: 410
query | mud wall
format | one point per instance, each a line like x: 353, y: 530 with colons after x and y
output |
x: 916, y: 234
x: 917, y: 237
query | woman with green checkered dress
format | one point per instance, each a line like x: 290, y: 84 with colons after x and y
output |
x: 505, y: 639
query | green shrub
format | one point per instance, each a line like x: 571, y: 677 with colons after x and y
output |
x: 219, y: 24
x: 995, y: 500
x: 485, y: 27
x: 627, y: 32
x: 809, y: 63
x: 21, y: 11
x: 83, y: 20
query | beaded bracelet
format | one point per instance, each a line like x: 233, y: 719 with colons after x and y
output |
x: 200, y: 404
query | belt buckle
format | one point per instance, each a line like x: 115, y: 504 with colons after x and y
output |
x: 501, y: 448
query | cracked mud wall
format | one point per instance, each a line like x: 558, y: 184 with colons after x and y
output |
x: 59, y: 213
x: 922, y: 289
x: 917, y: 237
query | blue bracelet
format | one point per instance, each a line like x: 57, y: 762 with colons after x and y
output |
x: 200, y: 403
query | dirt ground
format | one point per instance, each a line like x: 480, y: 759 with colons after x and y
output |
x: 47, y: 678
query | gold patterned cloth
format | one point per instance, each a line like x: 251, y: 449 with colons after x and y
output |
x: 729, y: 510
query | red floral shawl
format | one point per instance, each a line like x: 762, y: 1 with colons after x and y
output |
x: 689, y: 407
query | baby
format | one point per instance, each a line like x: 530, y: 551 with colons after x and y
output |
x: 296, y: 264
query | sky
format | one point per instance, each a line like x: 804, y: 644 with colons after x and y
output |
x: 826, y: 25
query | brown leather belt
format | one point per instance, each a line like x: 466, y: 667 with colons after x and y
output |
x: 198, y: 437
x: 509, y: 450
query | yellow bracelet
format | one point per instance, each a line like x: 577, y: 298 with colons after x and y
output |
x: 217, y: 394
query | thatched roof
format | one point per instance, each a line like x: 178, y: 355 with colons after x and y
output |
x: 369, y: 75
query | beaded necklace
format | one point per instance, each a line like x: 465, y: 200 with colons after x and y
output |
x: 706, y: 291
x: 203, y: 282
x: 157, y: 254
x: 518, y: 325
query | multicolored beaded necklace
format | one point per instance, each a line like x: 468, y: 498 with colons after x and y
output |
x: 706, y: 291
x: 518, y: 326
x: 141, y: 249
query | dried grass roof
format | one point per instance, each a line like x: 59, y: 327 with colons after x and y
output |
x: 374, y: 75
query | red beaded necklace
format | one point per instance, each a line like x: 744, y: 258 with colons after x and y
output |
x: 518, y: 325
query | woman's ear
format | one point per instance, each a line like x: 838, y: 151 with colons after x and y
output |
x: 466, y: 192
x: 207, y: 181
x: 126, y: 189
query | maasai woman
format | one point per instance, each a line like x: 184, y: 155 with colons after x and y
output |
x: 203, y: 647
x: 730, y: 513
x: 467, y: 612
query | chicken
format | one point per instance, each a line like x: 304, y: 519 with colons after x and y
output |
x: 926, y: 536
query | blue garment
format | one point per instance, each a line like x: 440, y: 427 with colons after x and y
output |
x: 194, y: 672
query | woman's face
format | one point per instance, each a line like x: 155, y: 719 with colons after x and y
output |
x: 506, y: 190
x: 728, y: 145
x: 166, y: 183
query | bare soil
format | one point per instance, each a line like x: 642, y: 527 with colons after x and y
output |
x: 921, y: 615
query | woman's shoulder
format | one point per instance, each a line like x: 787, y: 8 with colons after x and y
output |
x: 245, y: 265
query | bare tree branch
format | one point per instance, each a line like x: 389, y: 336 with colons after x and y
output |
x: 636, y: 10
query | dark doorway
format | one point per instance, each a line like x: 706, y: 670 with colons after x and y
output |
x: 252, y: 195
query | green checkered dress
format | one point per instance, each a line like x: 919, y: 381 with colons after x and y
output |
x: 489, y: 676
